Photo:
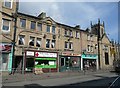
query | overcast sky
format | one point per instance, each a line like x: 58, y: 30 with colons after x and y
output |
x: 77, y: 13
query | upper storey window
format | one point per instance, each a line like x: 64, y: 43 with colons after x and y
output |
x: 22, y: 23
x: 77, y: 34
x: 39, y: 27
x: 48, y: 29
x: 53, y: 29
x: 33, y: 25
x: 8, y: 3
x: 5, y: 25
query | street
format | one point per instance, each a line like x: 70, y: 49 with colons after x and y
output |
x: 84, y: 81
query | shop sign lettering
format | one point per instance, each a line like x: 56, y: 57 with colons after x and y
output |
x: 45, y: 54
x: 30, y: 53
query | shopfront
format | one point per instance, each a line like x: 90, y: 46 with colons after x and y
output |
x: 41, y: 62
x: 90, y: 61
x: 6, y: 58
x: 69, y: 61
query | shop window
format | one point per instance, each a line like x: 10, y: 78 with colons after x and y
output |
x: 8, y: 3
x: 53, y: 29
x: 45, y: 63
x: 4, y: 62
x: 66, y: 45
x: 23, y: 23
x: 53, y: 44
x: 77, y: 34
x: 71, y: 45
x: 32, y: 41
x: 21, y: 40
x: 47, y: 43
x: 5, y: 25
x: 106, y: 58
x: 48, y: 29
x: 39, y: 27
x: 75, y: 62
x: 33, y: 25
x: 38, y: 42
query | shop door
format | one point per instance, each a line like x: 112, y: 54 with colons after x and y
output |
x: 62, y: 64
x: 29, y: 64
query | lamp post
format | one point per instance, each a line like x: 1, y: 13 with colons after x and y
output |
x: 13, y: 42
x: 14, y: 36
x: 98, y: 39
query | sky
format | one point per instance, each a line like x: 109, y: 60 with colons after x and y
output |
x: 77, y: 12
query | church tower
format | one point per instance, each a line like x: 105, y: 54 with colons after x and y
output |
x: 98, y: 29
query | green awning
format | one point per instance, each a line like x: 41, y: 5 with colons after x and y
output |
x: 45, y: 66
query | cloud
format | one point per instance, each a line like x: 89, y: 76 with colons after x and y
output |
x: 74, y: 13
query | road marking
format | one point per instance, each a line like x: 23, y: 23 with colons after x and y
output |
x: 114, y: 82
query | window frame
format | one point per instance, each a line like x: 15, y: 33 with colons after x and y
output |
x: 22, y: 23
x: 8, y: 26
x: 77, y: 34
x: 34, y: 25
x: 31, y: 41
x: 66, y: 43
x: 71, y: 45
x: 48, y: 43
x: 40, y: 41
x: 39, y: 25
x: 23, y: 36
x: 47, y: 28
x: 71, y: 33
x: 53, y: 32
x: 88, y: 48
x: 11, y: 4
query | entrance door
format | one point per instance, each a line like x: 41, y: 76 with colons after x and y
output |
x: 62, y: 64
x: 106, y: 59
x: 29, y: 64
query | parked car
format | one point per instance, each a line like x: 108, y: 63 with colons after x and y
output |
x: 117, y: 65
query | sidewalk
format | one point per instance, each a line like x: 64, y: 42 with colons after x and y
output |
x: 32, y: 77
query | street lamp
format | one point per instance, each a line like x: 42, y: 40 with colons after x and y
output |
x: 14, y: 36
x: 98, y: 39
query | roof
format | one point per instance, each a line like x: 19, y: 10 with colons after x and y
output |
x: 31, y: 16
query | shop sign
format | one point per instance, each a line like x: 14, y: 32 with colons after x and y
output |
x: 5, y: 47
x: 30, y: 53
x: 89, y: 56
x: 45, y: 54
x: 70, y: 54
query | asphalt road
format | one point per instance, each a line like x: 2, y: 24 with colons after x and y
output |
x: 87, y: 81
x: 98, y: 83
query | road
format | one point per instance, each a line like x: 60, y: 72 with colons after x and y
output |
x: 86, y: 81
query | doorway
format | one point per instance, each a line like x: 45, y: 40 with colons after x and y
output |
x: 29, y: 64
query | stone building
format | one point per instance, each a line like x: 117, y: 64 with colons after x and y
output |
x: 7, y: 10
x: 44, y: 45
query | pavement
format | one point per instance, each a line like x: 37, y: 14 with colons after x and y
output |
x: 32, y: 77
x: 65, y: 79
